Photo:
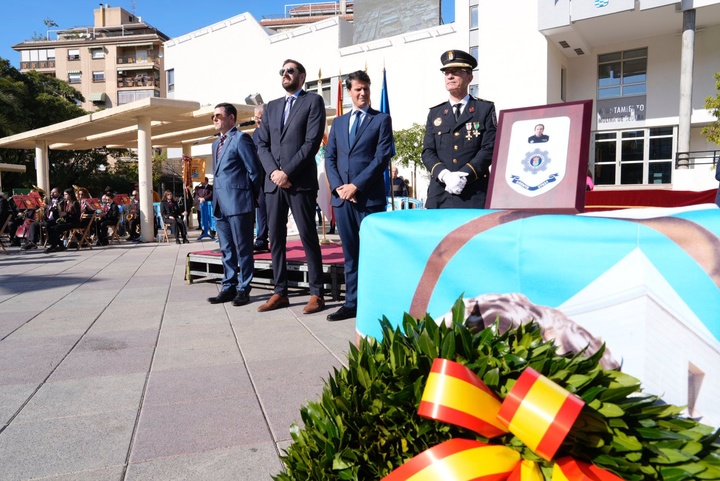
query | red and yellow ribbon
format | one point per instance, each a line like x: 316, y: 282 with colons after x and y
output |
x: 537, y: 411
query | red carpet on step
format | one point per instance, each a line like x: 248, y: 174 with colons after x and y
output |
x: 331, y: 253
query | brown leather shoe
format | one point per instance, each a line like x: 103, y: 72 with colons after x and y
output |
x: 276, y: 301
x: 315, y: 304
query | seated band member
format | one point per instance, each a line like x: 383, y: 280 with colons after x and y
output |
x: 134, y: 217
x: 68, y: 211
x: 173, y: 216
x: 108, y: 217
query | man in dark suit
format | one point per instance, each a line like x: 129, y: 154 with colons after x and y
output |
x: 237, y: 175
x: 359, y: 150
x: 288, y: 139
x: 459, y: 140
x: 261, y: 239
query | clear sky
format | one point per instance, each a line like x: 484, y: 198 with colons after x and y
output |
x: 19, y: 21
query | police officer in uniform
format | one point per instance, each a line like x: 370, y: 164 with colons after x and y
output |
x: 459, y: 140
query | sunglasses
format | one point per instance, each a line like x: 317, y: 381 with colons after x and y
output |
x: 215, y: 117
x: 289, y: 70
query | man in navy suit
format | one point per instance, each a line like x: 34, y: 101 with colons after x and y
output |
x: 236, y: 183
x: 359, y: 150
x: 288, y: 139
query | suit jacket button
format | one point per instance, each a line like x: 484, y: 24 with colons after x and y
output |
x: 454, y: 161
x: 457, y: 134
x: 455, y: 147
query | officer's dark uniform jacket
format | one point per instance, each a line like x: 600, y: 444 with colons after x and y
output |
x: 465, y: 145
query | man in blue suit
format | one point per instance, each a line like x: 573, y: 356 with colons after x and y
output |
x: 359, y: 150
x: 288, y: 139
x: 236, y: 183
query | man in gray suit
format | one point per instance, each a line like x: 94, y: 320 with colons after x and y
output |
x: 237, y: 180
x: 288, y: 139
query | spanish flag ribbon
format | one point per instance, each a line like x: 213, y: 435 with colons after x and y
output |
x: 536, y: 410
x: 459, y: 459
x: 539, y: 412
x: 454, y: 394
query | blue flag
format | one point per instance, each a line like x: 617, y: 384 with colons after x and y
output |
x: 385, y: 108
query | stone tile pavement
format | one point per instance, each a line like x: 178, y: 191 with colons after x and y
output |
x: 112, y: 368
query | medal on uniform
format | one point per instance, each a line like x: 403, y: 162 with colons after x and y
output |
x: 472, y: 109
x: 468, y: 127
x: 476, y: 131
x: 437, y: 122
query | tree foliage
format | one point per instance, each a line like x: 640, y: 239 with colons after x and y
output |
x: 32, y: 100
x: 408, y: 145
x: 712, y: 103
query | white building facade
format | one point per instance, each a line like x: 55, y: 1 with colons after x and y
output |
x: 629, y: 56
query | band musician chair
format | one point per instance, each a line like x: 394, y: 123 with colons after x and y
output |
x: 81, y: 235
x: 2, y: 233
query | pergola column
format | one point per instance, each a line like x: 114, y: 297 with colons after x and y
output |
x: 687, y: 61
x: 147, y: 214
x: 42, y: 165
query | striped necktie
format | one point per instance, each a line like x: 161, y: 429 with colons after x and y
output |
x: 220, y: 146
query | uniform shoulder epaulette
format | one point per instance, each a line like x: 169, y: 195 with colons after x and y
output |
x: 483, y: 100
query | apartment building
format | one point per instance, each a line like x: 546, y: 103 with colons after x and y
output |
x: 116, y: 61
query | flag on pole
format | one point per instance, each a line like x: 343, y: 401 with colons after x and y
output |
x: 385, y: 108
x: 339, y: 105
x: 324, y: 197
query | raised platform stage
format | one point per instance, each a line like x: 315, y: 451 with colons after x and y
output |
x: 204, y: 265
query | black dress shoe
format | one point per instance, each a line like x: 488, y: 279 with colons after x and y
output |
x: 260, y: 246
x: 224, y: 296
x: 241, y: 298
x: 342, y: 314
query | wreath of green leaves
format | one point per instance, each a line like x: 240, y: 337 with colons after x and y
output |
x: 366, y: 423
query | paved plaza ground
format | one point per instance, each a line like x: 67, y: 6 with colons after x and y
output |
x: 112, y: 368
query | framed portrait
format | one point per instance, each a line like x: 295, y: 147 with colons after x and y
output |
x: 541, y: 158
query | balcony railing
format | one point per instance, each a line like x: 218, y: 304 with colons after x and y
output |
x: 687, y: 160
x: 37, y: 64
x: 131, y: 59
x: 137, y: 82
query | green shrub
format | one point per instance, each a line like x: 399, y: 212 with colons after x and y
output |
x: 365, y: 424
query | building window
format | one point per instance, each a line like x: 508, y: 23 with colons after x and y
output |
x: 73, y: 54
x: 474, y: 51
x: 622, y: 74
x: 171, y: 80
x: 473, y: 16
x: 74, y: 77
x: 98, y: 76
x: 634, y: 157
x: 97, y: 52
x: 326, y: 87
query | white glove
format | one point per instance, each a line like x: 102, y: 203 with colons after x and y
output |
x: 455, y: 182
x: 442, y: 175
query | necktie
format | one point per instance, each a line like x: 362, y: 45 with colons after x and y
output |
x: 220, y: 146
x: 356, y: 124
x: 457, y: 110
x: 288, y: 105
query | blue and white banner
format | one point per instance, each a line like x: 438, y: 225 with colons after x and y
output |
x: 648, y: 287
